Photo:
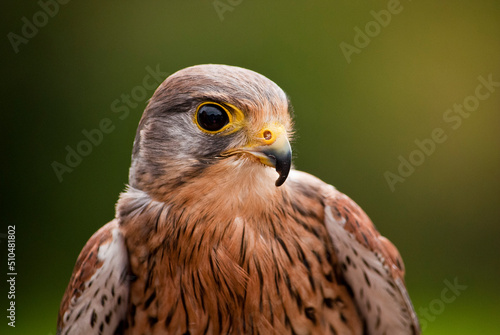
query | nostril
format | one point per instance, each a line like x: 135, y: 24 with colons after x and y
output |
x: 267, y: 135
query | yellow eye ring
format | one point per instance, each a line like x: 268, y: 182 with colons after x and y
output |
x: 214, y: 118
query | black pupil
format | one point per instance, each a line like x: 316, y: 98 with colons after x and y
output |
x: 212, y: 117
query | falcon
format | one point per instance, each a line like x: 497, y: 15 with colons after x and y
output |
x: 216, y: 233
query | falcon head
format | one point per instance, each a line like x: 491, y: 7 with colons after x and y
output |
x: 214, y: 123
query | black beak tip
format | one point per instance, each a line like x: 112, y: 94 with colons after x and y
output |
x: 280, y: 180
x: 283, y: 168
x: 281, y: 159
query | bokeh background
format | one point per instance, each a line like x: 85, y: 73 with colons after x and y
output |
x: 353, y: 119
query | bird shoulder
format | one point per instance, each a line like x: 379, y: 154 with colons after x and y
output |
x: 96, y: 298
x: 371, y: 265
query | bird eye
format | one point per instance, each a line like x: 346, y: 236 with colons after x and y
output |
x: 212, y: 117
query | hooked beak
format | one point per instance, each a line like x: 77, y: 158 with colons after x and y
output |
x: 271, y: 148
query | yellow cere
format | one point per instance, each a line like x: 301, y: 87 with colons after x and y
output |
x: 270, y: 133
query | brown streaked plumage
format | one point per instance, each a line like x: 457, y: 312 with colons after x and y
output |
x: 210, y: 239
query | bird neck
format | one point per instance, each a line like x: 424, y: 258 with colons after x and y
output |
x: 211, y: 204
x: 236, y: 186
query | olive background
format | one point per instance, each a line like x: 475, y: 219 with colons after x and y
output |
x: 353, y: 122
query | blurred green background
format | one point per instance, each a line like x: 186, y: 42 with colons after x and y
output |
x: 353, y: 121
